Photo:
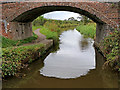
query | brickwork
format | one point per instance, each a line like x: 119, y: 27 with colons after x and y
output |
x: 101, y: 13
x: 107, y: 12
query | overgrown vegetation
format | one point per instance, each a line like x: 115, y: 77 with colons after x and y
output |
x: 110, y: 48
x: 51, y: 31
x: 13, y: 59
x: 9, y: 43
x: 40, y: 21
x: 88, y: 30
x: 36, y: 27
x: 52, y: 28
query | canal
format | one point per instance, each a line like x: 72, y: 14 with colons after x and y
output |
x: 76, y: 64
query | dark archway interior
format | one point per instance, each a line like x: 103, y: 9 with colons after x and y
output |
x: 30, y: 15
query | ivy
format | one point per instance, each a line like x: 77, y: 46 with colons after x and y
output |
x: 110, y: 48
x: 13, y: 58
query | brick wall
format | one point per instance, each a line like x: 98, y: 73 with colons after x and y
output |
x: 26, y: 12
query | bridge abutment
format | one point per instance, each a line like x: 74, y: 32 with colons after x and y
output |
x: 19, y: 30
x: 102, y: 30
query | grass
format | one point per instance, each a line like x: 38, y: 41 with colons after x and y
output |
x: 88, y: 30
x: 35, y: 27
x: 49, y: 34
x: 52, y: 30
x: 9, y: 43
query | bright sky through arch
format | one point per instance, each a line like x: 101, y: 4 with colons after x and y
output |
x: 61, y: 15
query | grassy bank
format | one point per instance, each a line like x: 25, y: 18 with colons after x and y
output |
x: 13, y: 59
x: 9, y: 43
x: 36, y: 27
x: 88, y: 30
x: 52, y: 28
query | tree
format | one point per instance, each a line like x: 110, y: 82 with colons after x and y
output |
x: 79, y: 18
x: 85, y: 19
x: 71, y: 19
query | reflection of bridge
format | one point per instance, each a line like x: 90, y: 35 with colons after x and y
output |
x: 17, y: 16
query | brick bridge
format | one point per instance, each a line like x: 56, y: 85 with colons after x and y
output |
x: 17, y: 16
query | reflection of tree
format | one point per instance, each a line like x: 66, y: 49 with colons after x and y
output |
x: 84, y: 43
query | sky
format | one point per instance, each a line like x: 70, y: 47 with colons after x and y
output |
x: 61, y: 15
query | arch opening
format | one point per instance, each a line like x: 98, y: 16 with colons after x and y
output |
x: 32, y: 14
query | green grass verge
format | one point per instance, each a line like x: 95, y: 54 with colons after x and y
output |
x: 88, y: 30
x: 9, y: 43
x: 35, y: 27
x: 49, y: 34
x: 13, y: 58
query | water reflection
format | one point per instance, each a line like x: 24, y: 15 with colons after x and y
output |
x: 108, y: 77
x: 84, y: 43
x: 70, y: 61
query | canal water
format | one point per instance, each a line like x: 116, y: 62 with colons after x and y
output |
x: 76, y: 64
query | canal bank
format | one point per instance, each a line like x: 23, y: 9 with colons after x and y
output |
x: 76, y: 55
x: 108, y: 46
x: 14, y: 59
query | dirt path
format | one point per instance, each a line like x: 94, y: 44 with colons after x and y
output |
x: 41, y: 39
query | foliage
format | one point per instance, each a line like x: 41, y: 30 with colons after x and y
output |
x: 85, y: 20
x: 52, y: 26
x: 13, y: 57
x: 111, y: 50
x: 49, y: 33
x: 8, y: 42
x: 35, y: 27
x: 68, y: 25
x: 88, y: 30
x: 39, y: 21
x: 71, y: 19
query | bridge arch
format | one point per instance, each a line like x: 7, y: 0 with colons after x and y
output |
x: 32, y: 14
x: 21, y: 14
